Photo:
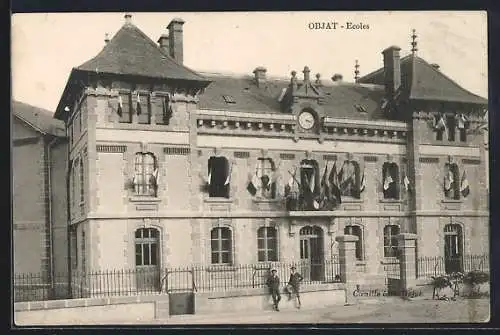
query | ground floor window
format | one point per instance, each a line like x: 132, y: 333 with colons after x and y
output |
x: 390, y: 240
x: 146, y: 246
x: 267, y: 244
x: 356, y: 231
x: 221, y: 245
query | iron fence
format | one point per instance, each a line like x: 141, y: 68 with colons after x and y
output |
x: 439, y: 265
x: 31, y: 287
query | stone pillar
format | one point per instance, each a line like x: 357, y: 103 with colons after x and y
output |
x: 406, y: 245
x: 347, y: 259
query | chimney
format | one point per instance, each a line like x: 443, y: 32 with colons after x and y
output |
x: 435, y: 66
x: 337, y: 77
x: 306, y: 74
x: 260, y: 75
x: 163, y: 41
x: 392, y: 70
x: 128, y: 18
x: 176, y: 40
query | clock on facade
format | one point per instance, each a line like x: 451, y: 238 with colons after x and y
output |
x: 306, y: 120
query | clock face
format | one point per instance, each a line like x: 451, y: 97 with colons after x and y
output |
x: 306, y: 120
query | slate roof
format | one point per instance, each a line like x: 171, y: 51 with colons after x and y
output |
x: 340, y: 99
x: 421, y: 81
x: 38, y: 118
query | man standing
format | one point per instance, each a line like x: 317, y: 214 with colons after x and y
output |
x: 273, y: 282
x: 294, y: 284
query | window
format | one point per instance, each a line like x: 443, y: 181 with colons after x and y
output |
x: 452, y: 181
x: 390, y: 177
x: 221, y: 245
x: 146, y: 247
x: 265, y: 178
x: 83, y: 251
x: 267, y: 245
x: 390, y: 241
x: 219, y: 177
x: 124, y: 108
x: 462, y: 125
x: 82, y: 182
x: 440, y: 126
x: 349, y: 179
x: 164, y: 114
x: 356, y: 231
x: 146, y: 173
x: 143, y: 109
x: 451, y: 126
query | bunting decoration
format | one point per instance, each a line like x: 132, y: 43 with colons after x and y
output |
x: 362, y: 183
x: 120, y: 106
x: 464, y: 185
x: 138, y: 108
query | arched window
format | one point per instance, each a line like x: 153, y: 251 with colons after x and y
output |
x: 390, y: 240
x: 356, y: 231
x: 267, y: 244
x: 349, y: 179
x: 219, y: 177
x: 390, y: 177
x: 146, y: 174
x: 146, y: 247
x: 221, y: 245
x: 452, y: 181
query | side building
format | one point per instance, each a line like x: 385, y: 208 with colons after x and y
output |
x: 171, y: 168
x: 39, y: 216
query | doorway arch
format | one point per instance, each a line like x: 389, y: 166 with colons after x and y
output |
x: 312, y: 252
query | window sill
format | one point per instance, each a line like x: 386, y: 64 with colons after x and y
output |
x: 265, y: 201
x: 358, y: 262
x: 145, y: 198
x: 389, y: 260
x: 219, y: 200
x: 451, y: 201
x: 391, y: 201
x: 346, y: 200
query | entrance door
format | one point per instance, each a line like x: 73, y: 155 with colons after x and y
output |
x: 453, y: 261
x: 147, y: 260
x: 312, y: 253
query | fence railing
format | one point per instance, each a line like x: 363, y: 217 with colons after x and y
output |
x: 438, y: 265
x: 30, y: 287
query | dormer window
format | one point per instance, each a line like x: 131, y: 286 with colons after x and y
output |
x: 228, y: 99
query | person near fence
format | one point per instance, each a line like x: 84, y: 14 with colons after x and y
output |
x: 273, y: 282
x: 293, y: 285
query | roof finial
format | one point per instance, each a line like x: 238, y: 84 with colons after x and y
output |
x: 356, y: 71
x: 106, y: 38
x: 413, y: 42
x: 128, y: 18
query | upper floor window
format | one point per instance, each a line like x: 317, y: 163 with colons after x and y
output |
x: 124, y: 107
x: 219, y: 177
x: 356, y: 231
x: 143, y: 108
x: 452, y: 127
x: 390, y: 240
x: 267, y: 246
x: 263, y: 183
x: 462, y: 125
x: 452, y: 181
x: 390, y: 175
x: 164, y: 114
x: 146, y: 174
x: 349, y: 179
x: 439, y: 126
x: 221, y: 245
x: 309, y: 179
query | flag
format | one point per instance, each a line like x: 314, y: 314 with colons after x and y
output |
x: 363, y: 182
x: 387, y: 181
x: 464, y: 185
x: 333, y: 178
x: 209, y: 178
x: 406, y: 183
x: 448, y: 180
x: 324, y: 195
x: 156, y: 176
x: 441, y: 124
x: 228, y: 179
x: 461, y: 121
x: 120, y: 106
x: 138, y: 104
x: 167, y: 109
x: 310, y: 181
x: 253, y: 184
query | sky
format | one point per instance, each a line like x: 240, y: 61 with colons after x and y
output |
x: 45, y: 47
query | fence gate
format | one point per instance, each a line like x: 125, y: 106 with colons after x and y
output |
x: 180, y: 287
